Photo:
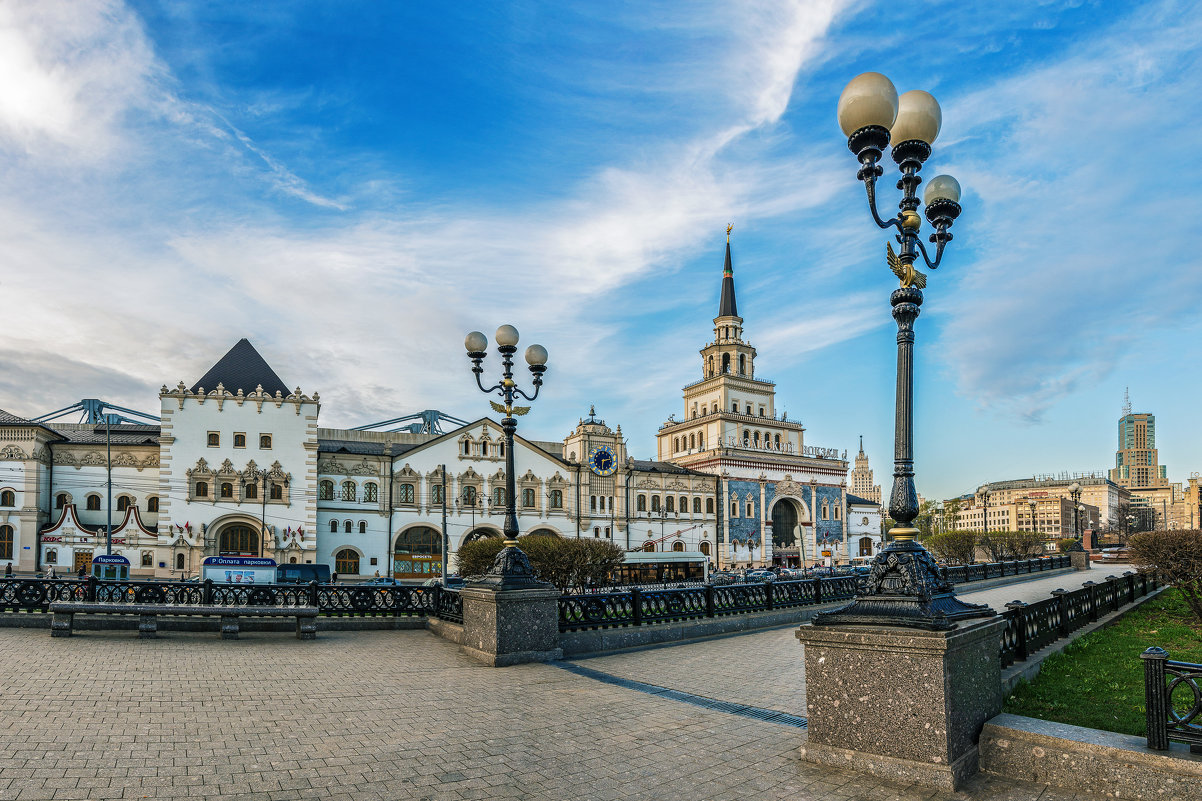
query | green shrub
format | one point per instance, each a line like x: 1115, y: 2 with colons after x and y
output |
x: 957, y: 547
x: 1176, y: 556
x: 560, y: 561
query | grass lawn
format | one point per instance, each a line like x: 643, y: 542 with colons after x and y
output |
x: 1098, y: 681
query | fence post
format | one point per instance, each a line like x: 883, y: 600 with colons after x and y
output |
x: 768, y: 586
x: 431, y: 612
x: 636, y: 605
x: 206, y: 592
x: 1130, y: 586
x: 1093, y: 599
x: 1156, y: 699
x: 1061, y: 597
x: 312, y: 593
x: 1114, y: 593
x: 1020, y: 639
x: 710, y: 611
x: 817, y: 590
x: 89, y: 593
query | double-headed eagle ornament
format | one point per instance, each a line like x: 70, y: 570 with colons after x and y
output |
x: 509, y: 411
x: 905, y: 271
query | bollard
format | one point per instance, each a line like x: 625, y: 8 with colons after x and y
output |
x: 1156, y: 698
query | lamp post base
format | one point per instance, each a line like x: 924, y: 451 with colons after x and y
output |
x: 511, y: 570
x: 904, y: 588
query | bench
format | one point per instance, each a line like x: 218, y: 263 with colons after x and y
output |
x: 64, y: 613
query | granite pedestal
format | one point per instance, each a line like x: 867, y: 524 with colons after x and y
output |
x: 508, y: 627
x: 1079, y: 559
x: 902, y: 703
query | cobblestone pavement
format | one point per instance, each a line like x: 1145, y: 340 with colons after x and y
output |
x: 379, y: 715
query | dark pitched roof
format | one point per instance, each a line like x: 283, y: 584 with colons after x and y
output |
x: 7, y: 419
x: 119, y: 435
x: 652, y: 466
x: 242, y: 369
x: 858, y: 501
x: 364, y: 448
x: 727, y: 307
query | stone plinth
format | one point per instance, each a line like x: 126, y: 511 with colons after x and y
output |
x: 509, y: 627
x: 901, y: 703
x: 1079, y: 559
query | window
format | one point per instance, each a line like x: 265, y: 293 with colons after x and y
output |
x: 152, y: 504
x: 179, y: 561
x: 641, y: 503
x: 8, y: 498
x: 347, y: 526
x: 500, y: 448
x: 649, y: 546
x: 734, y: 508
x: 6, y: 542
x: 592, y: 503
x: 749, y: 409
x: 277, y: 492
x: 484, y: 449
x: 678, y: 546
x: 227, y: 489
x: 726, y: 362
x: 838, y: 513
x: 864, y: 522
x: 746, y: 439
x: 742, y: 371
x: 214, y: 439
x: 701, y: 442
x: 239, y: 440
x: 556, y: 499
x: 776, y: 440
x: 597, y: 532
x: 265, y: 442
x: 123, y: 503
x: 734, y: 406
x: 528, y: 497
x: 756, y: 438
x: 333, y: 526
x: 750, y: 509
x: 709, y: 506
x: 325, y: 491
x: 469, y: 496
x: 94, y: 500
x: 655, y: 503
x: 371, y: 492
x: 147, y: 558
x: 826, y: 512
x: 362, y: 526
x: 697, y: 506
x: 202, y: 491
x: 467, y: 448
x: 60, y: 501
x: 238, y: 541
x: 346, y: 562
x: 498, y: 496
x: 435, y: 493
x: 250, y: 492
x: 406, y: 493
x: 350, y: 491
x: 52, y: 556
x: 705, y: 548
x: 684, y: 505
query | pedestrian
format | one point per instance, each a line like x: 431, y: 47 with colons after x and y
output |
x: 8, y: 570
x: 377, y: 574
x: 333, y: 578
x: 50, y: 574
x: 82, y: 572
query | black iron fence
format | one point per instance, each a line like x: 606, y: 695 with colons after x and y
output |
x: 1030, y: 627
x: 1173, y: 700
x: 960, y: 574
x: 36, y: 595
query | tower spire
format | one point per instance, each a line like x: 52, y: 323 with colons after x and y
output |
x: 861, y: 444
x: 727, y: 306
x: 1126, y: 401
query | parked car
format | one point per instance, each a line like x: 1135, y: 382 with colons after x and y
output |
x: 453, y: 582
x: 382, y: 581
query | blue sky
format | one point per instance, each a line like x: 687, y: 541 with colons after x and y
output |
x: 355, y: 186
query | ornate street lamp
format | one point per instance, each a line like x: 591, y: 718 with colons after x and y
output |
x: 1074, y: 492
x: 904, y: 586
x: 511, y: 569
x: 1033, y: 526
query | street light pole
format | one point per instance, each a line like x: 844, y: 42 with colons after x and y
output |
x: 904, y: 586
x: 511, y: 569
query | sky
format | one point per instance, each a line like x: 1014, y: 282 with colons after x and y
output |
x: 354, y: 187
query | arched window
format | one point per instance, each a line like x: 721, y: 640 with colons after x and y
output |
x: 684, y: 505
x: 202, y: 491
x: 776, y: 441
x: 865, y: 546
x: 469, y: 496
x: 641, y: 503
x: 498, y: 496
x: 527, y: 497
x: 726, y: 362
x: 592, y: 503
x: 325, y: 491
x: 8, y: 498
x: 6, y: 542
x: 250, y: 491
x: 238, y: 541
x: 227, y: 489
x: 692, y: 441
x: 678, y: 546
x: 701, y: 442
x: 500, y: 449
x: 51, y: 556
x: 94, y: 500
x: 362, y: 526
x: 406, y: 493
x: 152, y: 504
x: 742, y: 364
x: 418, y: 553
x: 60, y: 501
x: 435, y: 494
x: 655, y: 503
x: 711, y: 368
x: 864, y: 522
x: 123, y: 503
x: 704, y: 548
x: 179, y: 561
x: 484, y: 449
x: 597, y: 532
x: 346, y: 562
x: 347, y: 526
x: 750, y: 509
x: 697, y: 506
x: 350, y: 491
x: 746, y: 438
x: 147, y: 558
x: 239, y: 440
x: 670, y: 504
x: 333, y: 526
x: 675, y: 444
x: 734, y: 507
x: 467, y: 447
x: 826, y: 511
x: 214, y: 439
x: 277, y: 492
x: 838, y: 512
x: 649, y: 546
x: 556, y: 499
x: 370, y: 491
x: 709, y: 506
x: 756, y: 438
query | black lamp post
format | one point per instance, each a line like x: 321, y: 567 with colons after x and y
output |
x: 904, y: 586
x: 985, y: 521
x: 1074, y: 492
x: 511, y: 569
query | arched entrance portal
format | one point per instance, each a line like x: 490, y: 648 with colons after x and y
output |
x: 238, y: 539
x: 541, y: 532
x: 417, y: 553
x: 480, y: 534
x: 785, y: 547
x: 865, y: 546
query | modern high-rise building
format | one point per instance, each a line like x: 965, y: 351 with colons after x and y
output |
x: 1136, y: 462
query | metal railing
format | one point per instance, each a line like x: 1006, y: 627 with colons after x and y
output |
x: 1178, y: 719
x: 36, y: 595
x: 1030, y: 627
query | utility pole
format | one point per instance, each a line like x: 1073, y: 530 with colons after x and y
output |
x: 445, y: 539
x: 108, y: 449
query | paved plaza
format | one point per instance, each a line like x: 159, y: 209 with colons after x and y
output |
x: 401, y: 715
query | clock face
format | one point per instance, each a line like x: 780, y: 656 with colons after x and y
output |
x: 602, y: 460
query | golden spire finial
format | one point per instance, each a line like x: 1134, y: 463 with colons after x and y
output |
x: 729, y: 228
